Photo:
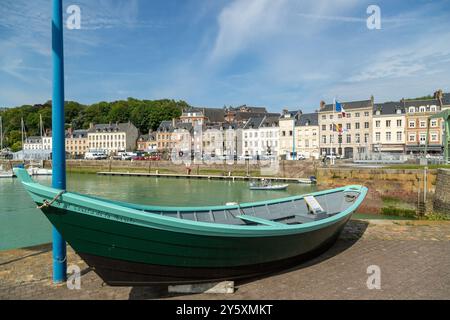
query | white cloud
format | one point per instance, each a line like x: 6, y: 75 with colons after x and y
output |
x: 424, y: 56
x: 244, y: 22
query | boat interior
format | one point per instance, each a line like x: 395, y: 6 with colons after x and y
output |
x: 296, y: 210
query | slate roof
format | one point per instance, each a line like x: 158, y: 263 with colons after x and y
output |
x: 241, y: 116
x: 143, y: 137
x: 388, y: 107
x: 310, y: 119
x: 446, y: 99
x: 165, y: 126
x: 111, y: 127
x: 77, y: 134
x: 245, y: 108
x: 271, y: 121
x: 253, y: 123
x: 184, y: 125
x: 213, y: 115
x: 33, y: 139
x: 349, y: 105
x: 420, y: 103
x: 147, y: 137
x: 232, y: 125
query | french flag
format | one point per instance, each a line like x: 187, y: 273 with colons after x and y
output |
x: 340, y: 108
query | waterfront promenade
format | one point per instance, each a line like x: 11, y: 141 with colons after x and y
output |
x: 413, y: 256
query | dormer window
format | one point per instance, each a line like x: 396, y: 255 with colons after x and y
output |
x: 399, y: 111
x: 422, y: 109
x: 433, y: 108
x: 411, y: 109
x: 378, y: 112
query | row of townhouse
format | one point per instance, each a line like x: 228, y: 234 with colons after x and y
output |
x: 111, y: 138
x: 393, y: 127
x: 364, y: 127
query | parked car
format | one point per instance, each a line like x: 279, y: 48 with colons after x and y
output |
x: 126, y: 156
x: 95, y: 156
x: 301, y: 157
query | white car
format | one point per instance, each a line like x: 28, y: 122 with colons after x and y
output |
x: 127, y: 156
x: 94, y: 156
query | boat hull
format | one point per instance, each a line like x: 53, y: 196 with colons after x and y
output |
x: 131, y: 244
x: 116, y: 272
x: 134, y: 257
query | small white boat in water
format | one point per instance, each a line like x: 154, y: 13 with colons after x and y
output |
x: 267, y: 185
x: 310, y: 180
x: 34, y: 171
x: 5, y: 174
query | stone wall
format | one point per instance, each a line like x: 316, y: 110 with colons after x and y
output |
x: 292, y: 169
x: 441, y: 202
x: 382, y: 183
x: 402, y: 184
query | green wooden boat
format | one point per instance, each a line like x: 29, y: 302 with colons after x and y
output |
x: 131, y: 244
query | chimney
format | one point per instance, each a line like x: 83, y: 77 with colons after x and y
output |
x: 438, y: 95
x: 173, y: 122
x: 322, y: 105
x: 91, y: 125
x: 372, y: 99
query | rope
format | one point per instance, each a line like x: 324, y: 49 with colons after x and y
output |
x: 61, y: 261
x: 47, y: 204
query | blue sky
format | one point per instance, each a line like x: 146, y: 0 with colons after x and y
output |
x: 273, y: 53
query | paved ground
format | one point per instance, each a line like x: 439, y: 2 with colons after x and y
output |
x: 414, y: 259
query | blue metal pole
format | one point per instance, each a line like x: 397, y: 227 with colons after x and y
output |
x: 58, y: 148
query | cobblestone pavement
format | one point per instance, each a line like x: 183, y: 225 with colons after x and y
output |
x: 414, y: 258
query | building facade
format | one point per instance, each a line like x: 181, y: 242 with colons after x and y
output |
x: 307, y: 135
x: 286, y: 141
x: 417, y: 113
x: 147, y: 142
x: 349, y: 133
x: 261, y: 137
x: 389, y: 128
x: 164, y: 133
x: 77, y: 142
x: 113, y: 137
x: 38, y: 143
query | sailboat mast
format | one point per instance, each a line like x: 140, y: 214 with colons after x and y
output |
x: 41, y: 131
x: 1, y: 134
x: 22, y: 130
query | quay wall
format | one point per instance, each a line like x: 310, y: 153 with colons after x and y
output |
x: 403, y: 184
x: 406, y: 185
x: 441, y: 202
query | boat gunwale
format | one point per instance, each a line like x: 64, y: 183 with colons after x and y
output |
x: 149, y: 219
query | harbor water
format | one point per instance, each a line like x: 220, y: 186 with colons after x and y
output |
x: 21, y: 224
